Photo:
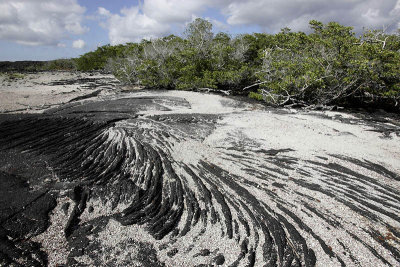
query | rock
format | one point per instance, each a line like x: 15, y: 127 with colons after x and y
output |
x: 219, y: 259
x: 183, y: 178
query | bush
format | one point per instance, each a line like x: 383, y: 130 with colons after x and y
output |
x: 14, y: 76
x: 60, y: 64
x: 202, y: 60
x: 256, y: 96
x: 330, y: 66
x: 98, y: 59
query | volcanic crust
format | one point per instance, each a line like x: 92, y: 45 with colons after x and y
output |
x: 172, y: 178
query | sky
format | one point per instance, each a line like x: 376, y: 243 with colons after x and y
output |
x: 52, y: 29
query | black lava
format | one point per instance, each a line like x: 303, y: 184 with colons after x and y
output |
x: 102, y: 152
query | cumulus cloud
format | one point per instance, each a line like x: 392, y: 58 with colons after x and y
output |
x: 131, y: 25
x: 40, y: 22
x: 103, y: 12
x: 154, y: 18
x: 78, y: 44
x: 173, y: 11
x: 273, y: 15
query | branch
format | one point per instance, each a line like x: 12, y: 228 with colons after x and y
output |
x: 343, y: 93
x: 253, y: 85
x: 265, y: 92
x: 210, y: 90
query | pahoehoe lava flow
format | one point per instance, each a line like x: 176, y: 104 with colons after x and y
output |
x: 154, y: 180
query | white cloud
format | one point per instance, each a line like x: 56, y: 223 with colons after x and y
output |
x: 218, y: 25
x: 155, y: 18
x: 103, y: 12
x: 132, y: 25
x: 173, y: 11
x: 272, y: 15
x: 40, y: 22
x: 78, y: 44
x: 47, y: 22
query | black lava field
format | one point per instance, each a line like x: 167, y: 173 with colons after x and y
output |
x: 189, y: 179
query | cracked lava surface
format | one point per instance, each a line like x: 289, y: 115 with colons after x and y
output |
x: 175, y: 178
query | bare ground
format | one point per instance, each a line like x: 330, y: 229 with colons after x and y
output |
x: 172, y: 178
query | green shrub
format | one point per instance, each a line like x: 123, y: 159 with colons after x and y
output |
x: 256, y: 96
x: 97, y: 60
x: 329, y: 66
x: 14, y: 76
x: 61, y: 64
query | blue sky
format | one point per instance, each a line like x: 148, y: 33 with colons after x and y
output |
x: 50, y: 29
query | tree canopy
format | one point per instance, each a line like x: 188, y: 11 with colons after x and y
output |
x: 329, y: 66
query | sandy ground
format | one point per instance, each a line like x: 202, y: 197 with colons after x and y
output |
x: 35, y: 92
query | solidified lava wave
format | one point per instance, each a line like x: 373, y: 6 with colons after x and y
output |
x: 178, y: 199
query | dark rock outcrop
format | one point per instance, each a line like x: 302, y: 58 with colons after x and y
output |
x: 136, y: 197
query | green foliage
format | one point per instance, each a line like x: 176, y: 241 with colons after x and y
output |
x: 12, y: 76
x: 60, y: 64
x: 199, y: 35
x: 98, y: 59
x: 256, y: 96
x: 202, y: 60
x: 331, y: 65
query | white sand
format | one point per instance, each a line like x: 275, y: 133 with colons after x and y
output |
x: 33, y: 93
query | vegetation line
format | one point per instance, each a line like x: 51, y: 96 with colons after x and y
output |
x: 329, y: 66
